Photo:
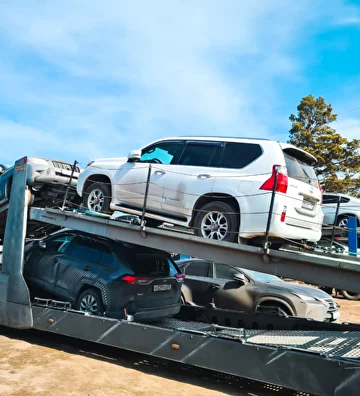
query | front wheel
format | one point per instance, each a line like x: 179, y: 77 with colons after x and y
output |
x: 97, y: 198
x: 217, y: 221
x: 90, y: 301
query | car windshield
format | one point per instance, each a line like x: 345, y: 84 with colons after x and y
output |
x: 260, y: 276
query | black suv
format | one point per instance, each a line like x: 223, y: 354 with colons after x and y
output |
x: 101, y: 276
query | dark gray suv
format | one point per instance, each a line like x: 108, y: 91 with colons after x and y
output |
x: 231, y: 287
x: 102, y: 276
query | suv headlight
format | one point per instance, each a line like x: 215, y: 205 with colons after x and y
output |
x: 37, y: 161
x: 304, y: 297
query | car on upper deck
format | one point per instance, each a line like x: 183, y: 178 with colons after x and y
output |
x: 47, y: 181
x: 219, y: 187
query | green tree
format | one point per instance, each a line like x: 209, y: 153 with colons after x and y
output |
x: 338, y: 166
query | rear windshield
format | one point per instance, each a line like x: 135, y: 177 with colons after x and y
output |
x: 301, y: 170
x: 151, y: 264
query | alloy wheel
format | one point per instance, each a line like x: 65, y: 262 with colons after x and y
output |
x: 214, y: 225
x: 96, y: 200
x: 89, y: 304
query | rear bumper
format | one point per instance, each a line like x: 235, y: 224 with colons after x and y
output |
x: 149, y: 314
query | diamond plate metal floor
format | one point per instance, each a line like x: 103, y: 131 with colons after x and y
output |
x: 340, y: 344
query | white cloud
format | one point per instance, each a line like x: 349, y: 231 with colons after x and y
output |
x: 98, y: 79
x: 348, y: 128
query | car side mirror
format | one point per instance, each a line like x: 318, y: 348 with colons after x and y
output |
x: 42, y: 245
x: 134, y: 155
x: 240, y: 278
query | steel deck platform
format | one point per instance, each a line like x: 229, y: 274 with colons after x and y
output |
x: 317, y: 362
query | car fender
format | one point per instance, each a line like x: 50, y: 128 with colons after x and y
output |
x: 187, y: 293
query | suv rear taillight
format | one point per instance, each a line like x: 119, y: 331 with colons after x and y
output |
x: 282, y: 181
x: 321, y: 193
x: 130, y: 279
x: 180, y: 277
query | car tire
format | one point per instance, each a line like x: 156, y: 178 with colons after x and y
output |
x: 342, y: 222
x: 350, y: 296
x: 221, y: 217
x: 90, y: 301
x: 153, y: 223
x: 97, y: 198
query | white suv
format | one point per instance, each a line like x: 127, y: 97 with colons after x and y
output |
x: 220, y: 187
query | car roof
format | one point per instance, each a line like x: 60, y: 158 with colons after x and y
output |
x: 284, y: 146
x: 104, y: 239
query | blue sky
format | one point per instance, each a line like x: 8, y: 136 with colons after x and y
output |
x: 87, y: 79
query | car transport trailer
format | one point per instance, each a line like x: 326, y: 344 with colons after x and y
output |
x: 305, y: 355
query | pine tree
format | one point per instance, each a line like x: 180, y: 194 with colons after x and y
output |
x: 338, y: 166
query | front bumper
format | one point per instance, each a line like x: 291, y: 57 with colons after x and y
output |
x: 47, y: 174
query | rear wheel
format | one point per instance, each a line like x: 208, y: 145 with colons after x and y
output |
x: 153, y: 222
x: 350, y: 295
x: 97, y: 198
x: 90, y: 301
x: 217, y: 221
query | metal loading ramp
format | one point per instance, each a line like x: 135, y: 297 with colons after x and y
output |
x: 316, y: 361
x: 340, y: 271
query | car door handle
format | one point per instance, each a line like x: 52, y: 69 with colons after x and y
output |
x: 87, y: 268
x: 203, y: 176
x: 214, y: 286
x: 159, y: 172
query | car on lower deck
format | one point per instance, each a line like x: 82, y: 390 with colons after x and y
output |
x: 219, y: 187
x: 235, y: 288
x: 101, y: 276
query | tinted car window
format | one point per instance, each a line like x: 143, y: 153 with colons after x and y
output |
x: 200, y: 154
x: 198, y: 268
x: 239, y: 155
x: 149, y: 264
x: 59, y: 242
x: 90, y: 250
x: 224, y: 271
x: 163, y: 153
x: 300, y: 170
x: 330, y: 199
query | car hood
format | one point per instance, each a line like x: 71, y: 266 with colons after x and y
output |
x: 298, y: 289
x: 104, y: 161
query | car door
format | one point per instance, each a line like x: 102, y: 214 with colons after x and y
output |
x: 42, y: 260
x: 230, y: 293
x: 199, y: 280
x: 131, y: 178
x: 192, y: 177
x: 81, y: 264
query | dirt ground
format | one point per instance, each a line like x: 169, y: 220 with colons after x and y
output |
x: 39, y: 364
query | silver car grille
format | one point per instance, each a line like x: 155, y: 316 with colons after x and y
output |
x: 65, y: 166
x: 332, y: 305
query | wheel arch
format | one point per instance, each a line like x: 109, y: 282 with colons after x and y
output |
x: 267, y: 301
x: 96, y: 178
x: 345, y: 215
x: 86, y: 286
x: 210, y: 197
x: 186, y: 293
